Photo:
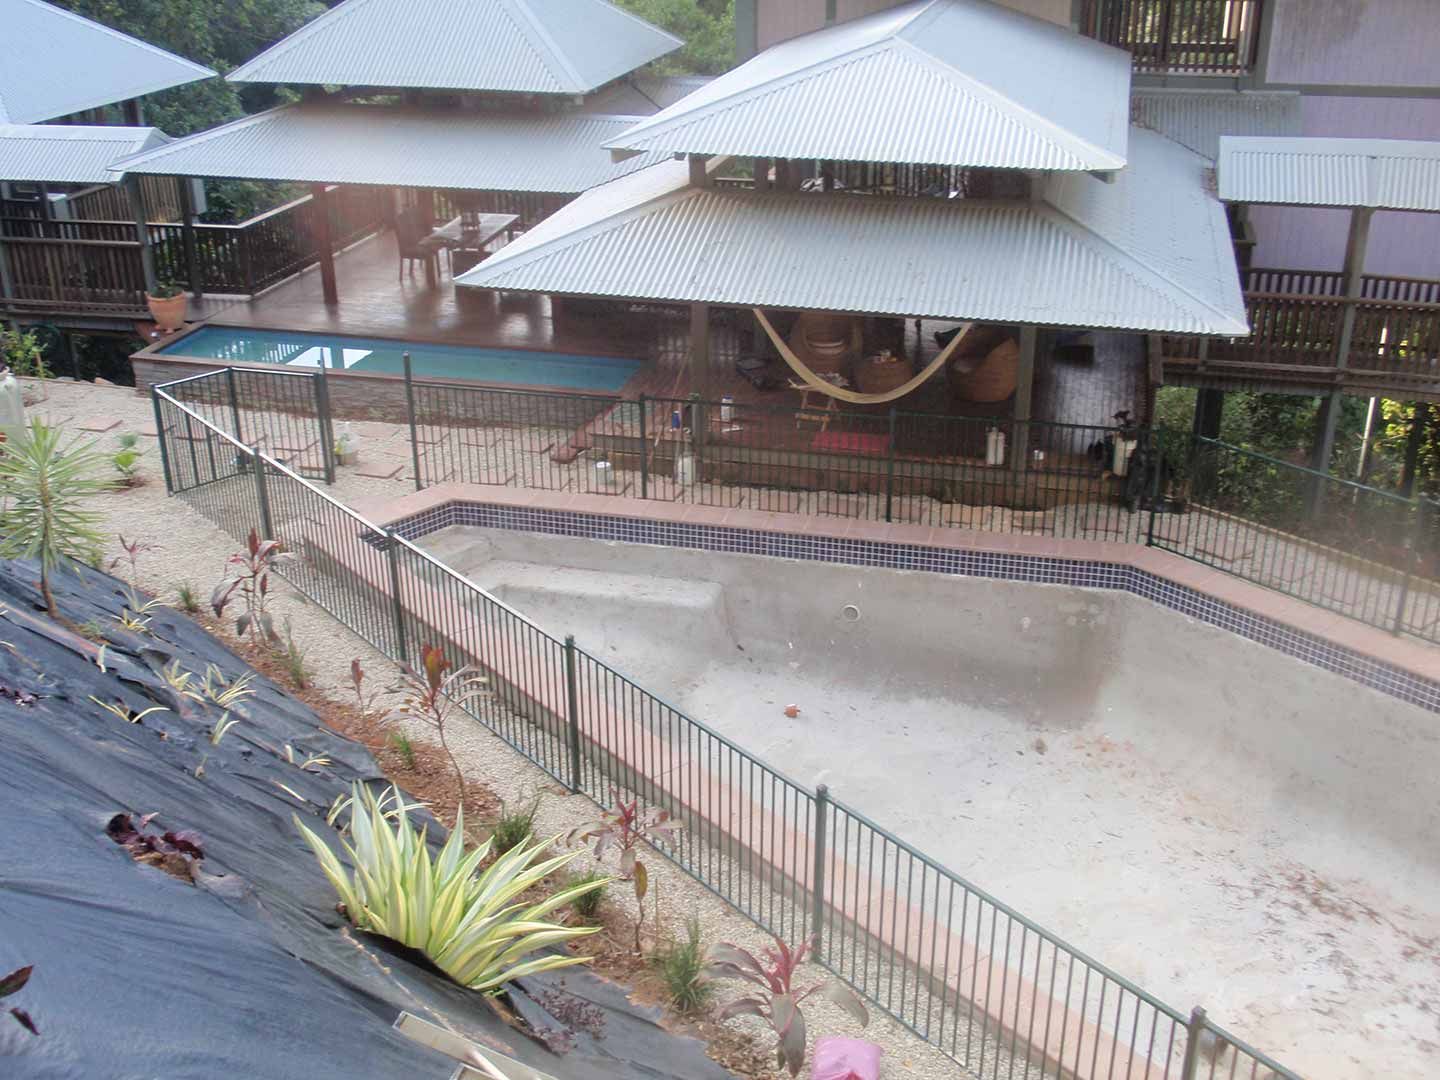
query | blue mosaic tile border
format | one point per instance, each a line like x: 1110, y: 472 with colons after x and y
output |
x: 1397, y: 682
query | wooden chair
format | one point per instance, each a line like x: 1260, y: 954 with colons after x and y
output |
x: 409, y: 231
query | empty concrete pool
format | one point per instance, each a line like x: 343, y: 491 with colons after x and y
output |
x: 1219, y: 822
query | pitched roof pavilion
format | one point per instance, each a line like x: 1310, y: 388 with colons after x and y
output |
x: 69, y: 153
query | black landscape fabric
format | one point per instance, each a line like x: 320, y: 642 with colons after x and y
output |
x: 250, y: 972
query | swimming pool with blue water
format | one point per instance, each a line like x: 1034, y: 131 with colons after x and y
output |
x: 380, y: 356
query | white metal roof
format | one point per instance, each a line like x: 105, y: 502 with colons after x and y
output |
x: 937, y: 82
x: 54, y: 63
x: 396, y: 146
x: 1385, y: 174
x: 518, y: 46
x: 1148, y: 252
x: 69, y: 154
x: 1198, y: 118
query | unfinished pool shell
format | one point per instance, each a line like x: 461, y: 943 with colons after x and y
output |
x: 1222, y: 824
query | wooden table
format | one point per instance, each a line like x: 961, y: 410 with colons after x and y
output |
x: 453, y: 237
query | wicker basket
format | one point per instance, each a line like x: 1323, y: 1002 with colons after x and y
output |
x: 825, y: 343
x: 879, y: 374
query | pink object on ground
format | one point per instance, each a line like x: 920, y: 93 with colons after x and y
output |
x: 838, y: 1058
x: 854, y: 441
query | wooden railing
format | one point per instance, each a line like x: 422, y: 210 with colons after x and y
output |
x: 532, y: 207
x: 1296, y: 317
x: 110, y: 202
x: 94, y: 267
x: 1198, y: 37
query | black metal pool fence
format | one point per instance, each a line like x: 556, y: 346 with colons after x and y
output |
x: 964, y: 971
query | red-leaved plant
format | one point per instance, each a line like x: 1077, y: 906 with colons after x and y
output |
x: 624, y: 827
x: 251, y: 581
x: 778, y: 1001
x: 433, y: 693
x: 11, y: 984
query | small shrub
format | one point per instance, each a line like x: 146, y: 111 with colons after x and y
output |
x: 470, y: 923
x: 252, y: 583
x: 624, y: 827
x: 775, y: 999
x: 189, y: 602
x: 44, y: 486
x: 513, y: 827
x: 681, y: 965
x: 434, y: 693
x: 401, y: 744
x: 127, y: 460
x: 293, y: 657
x: 20, y: 351
x: 587, y: 905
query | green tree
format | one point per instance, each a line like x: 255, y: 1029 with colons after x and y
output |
x: 706, y: 26
x: 45, y: 485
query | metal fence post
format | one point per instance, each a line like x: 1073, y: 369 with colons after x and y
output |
x: 410, y: 415
x: 234, y: 403
x: 890, y: 470
x: 1412, y: 559
x: 817, y: 874
x: 1193, y: 1030
x: 644, y: 454
x: 397, y: 603
x: 572, y: 709
x: 322, y: 417
x: 160, y: 438
x: 262, y: 495
x: 1152, y: 437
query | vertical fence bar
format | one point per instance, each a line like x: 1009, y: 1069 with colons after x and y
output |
x: 410, y: 415
x: 572, y: 712
x: 234, y: 403
x: 890, y: 469
x: 1412, y: 559
x: 262, y: 495
x: 1154, y: 458
x: 1194, y: 1029
x: 164, y: 442
x: 644, y: 454
x: 817, y: 874
x: 397, y: 601
x: 322, y: 416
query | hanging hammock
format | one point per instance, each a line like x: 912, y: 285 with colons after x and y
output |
x: 824, y: 386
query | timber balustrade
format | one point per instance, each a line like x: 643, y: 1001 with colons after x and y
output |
x: 94, y: 267
x: 1197, y: 37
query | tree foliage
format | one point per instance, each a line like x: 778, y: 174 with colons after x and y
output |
x: 706, y: 26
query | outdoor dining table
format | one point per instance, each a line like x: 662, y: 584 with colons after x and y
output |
x: 454, y: 237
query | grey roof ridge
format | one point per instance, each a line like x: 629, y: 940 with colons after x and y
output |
x: 1130, y: 258
x: 204, y: 72
x: 545, y: 45
x: 183, y: 142
x: 289, y: 41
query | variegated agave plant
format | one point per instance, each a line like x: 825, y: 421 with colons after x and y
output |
x: 469, y: 922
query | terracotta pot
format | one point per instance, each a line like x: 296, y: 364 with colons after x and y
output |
x: 168, y: 313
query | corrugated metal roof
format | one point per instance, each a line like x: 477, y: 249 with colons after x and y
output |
x: 1386, y: 174
x: 70, y: 154
x: 643, y: 96
x: 401, y: 147
x: 936, y: 82
x: 1197, y: 118
x: 1149, y: 252
x: 514, y: 46
x: 56, y: 63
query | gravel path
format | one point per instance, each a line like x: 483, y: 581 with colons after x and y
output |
x: 183, y: 547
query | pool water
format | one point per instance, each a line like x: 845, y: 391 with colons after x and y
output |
x: 242, y: 345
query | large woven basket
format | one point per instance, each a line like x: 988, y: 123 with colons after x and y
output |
x: 824, y: 342
x: 986, y: 365
x: 877, y: 375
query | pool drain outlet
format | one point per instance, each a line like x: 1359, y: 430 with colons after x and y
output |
x: 850, y: 613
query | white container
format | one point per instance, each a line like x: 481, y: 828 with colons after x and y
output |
x: 347, y: 445
x: 727, y: 408
x: 12, y: 405
x: 604, y: 474
x: 995, y: 447
x: 685, y: 468
x: 1120, y: 458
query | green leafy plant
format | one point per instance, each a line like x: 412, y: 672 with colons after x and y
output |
x: 189, y: 602
x: 126, y: 460
x: 624, y: 827
x: 471, y: 923
x: 308, y: 763
x: 135, y: 615
x: 13, y: 984
x: 365, y: 700
x: 293, y: 657
x: 513, y: 827
x: 120, y: 710
x: 166, y: 290
x: 401, y: 744
x: 45, y: 486
x: 251, y: 582
x: 434, y: 693
x: 776, y: 1000
x: 20, y: 351
x: 222, y: 728
x: 224, y: 693
x: 681, y: 965
x: 587, y: 905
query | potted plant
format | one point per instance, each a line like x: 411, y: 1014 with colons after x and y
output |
x: 167, y: 306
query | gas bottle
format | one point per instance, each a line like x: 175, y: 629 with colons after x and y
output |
x: 12, y: 405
